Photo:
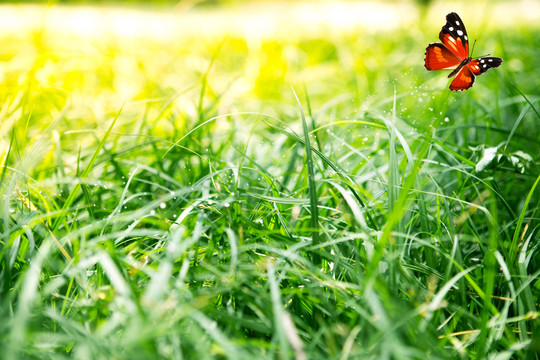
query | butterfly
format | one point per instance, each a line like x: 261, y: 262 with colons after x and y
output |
x: 453, y: 54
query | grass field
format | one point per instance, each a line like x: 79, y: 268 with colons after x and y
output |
x: 302, y: 192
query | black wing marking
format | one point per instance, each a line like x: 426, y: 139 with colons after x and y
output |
x: 480, y: 66
x: 454, y: 36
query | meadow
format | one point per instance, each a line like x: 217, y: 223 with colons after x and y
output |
x: 289, y: 190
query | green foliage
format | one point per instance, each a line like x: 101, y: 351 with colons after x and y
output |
x: 158, y: 199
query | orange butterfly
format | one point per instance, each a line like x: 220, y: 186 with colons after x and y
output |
x: 453, y: 54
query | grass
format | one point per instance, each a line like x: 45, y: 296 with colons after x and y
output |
x: 177, y: 199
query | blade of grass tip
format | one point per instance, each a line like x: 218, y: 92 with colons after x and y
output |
x: 311, y: 181
x: 515, y: 239
x: 310, y: 113
x: 74, y: 192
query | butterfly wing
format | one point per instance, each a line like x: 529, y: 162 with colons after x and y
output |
x: 463, y: 80
x: 438, y: 57
x: 454, y: 36
x: 480, y: 66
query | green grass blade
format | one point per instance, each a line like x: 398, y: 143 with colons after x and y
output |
x: 313, y: 202
x: 527, y: 100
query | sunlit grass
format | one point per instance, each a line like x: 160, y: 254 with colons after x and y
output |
x: 158, y: 196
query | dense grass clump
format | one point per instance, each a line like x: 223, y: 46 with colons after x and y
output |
x: 305, y: 196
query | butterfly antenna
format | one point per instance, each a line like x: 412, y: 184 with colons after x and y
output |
x: 477, y: 57
x: 481, y: 56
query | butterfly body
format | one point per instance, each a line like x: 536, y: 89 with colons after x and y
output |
x: 458, y: 69
x: 452, y: 53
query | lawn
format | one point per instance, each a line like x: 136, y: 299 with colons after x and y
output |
x: 267, y: 182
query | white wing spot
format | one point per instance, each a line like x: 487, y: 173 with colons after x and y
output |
x: 482, y: 61
x: 490, y: 60
x: 451, y: 28
x: 484, y: 66
x: 457, y: 23
x: 459, y: 32
x: 466, y: 38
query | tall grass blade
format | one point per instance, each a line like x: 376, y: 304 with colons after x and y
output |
x: 313, y: 203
